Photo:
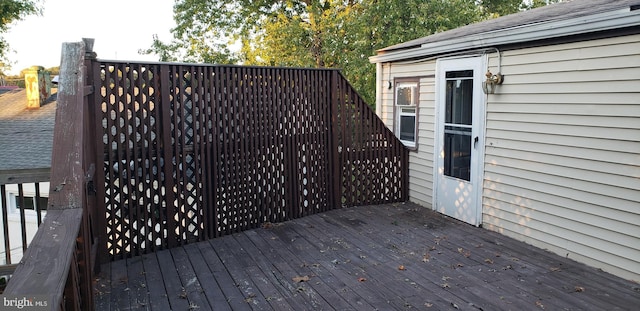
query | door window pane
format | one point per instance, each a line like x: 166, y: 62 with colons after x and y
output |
x: 459, y: 74
x: 458, y: 122
x: 457, y: 154
x: 459, y: 101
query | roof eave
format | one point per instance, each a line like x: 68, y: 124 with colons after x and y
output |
x: 526, y: 33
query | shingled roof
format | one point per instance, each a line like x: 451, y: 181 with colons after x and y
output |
x: 536, y: 24
x: 26, y: 135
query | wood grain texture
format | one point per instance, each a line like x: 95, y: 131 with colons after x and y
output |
x: 45, y: 265
x: 58, y: 262
x: 67, y: 184
x: 382, y: 257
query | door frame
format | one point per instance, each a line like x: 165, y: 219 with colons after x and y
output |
x: 478, y: 62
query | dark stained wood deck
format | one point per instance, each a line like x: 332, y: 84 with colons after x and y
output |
x: 386, y: 257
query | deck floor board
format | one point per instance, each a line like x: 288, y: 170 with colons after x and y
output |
x: 383, y: 257
x: 156, y: 290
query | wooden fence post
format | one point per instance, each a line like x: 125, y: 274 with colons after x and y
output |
x: 59, y: 248
x: 334, y: 130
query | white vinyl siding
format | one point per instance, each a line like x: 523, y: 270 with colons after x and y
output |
x: 421, y: 159
x: 562, y: 164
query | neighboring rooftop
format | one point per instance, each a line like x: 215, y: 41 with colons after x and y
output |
x: 26, y: 135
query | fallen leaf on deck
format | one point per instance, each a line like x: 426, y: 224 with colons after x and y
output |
x: 426, y: 258
x: 428, y: 305
x: 539, y: 304
x: 361, y: 279
x: 555, y: 269
x: 488, y: 260
x: 299, y: 279
x: 401, y: 268
x: 249, y: 298
x: 579, y: 289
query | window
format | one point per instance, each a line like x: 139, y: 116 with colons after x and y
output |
x: 34, y: 195
x: 29, y: 203
x: 406, y: 108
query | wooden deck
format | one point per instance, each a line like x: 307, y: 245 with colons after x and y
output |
x: 386, y: 257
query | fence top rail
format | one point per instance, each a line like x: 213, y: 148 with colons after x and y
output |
x: 21, y: 176
x: 120, y: 62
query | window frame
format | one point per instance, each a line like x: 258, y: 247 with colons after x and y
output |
x: 413, y: 83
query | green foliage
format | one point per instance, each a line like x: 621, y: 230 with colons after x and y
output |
x: 11, y: 11
x: 502, y: 7
x: 315, y: 33
x: 382, y: 23
x: 527, y: 5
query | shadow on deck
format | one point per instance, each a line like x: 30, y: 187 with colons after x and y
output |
x: 385, y: 257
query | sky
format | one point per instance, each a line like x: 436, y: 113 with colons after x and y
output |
x: 120, y: 28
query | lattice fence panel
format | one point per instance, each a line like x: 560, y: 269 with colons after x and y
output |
x: 193, y: 152
x: 133, y: 188
x: 185, y: 110
x: 373, y: 162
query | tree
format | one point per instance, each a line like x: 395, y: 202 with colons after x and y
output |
x: 314, y: 33
x: 504, y: 7
x: 53, y: 71
x: 382, y: 23
x: 11, y: 11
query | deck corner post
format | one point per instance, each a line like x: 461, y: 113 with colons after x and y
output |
x: 334, y: 129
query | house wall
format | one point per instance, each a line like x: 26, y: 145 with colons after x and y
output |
x: 562, y: 165
x: 421, y: 159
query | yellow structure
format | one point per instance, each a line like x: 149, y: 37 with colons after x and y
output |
x: 38, y: 85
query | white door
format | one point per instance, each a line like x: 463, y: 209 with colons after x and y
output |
x: 459, y: 138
